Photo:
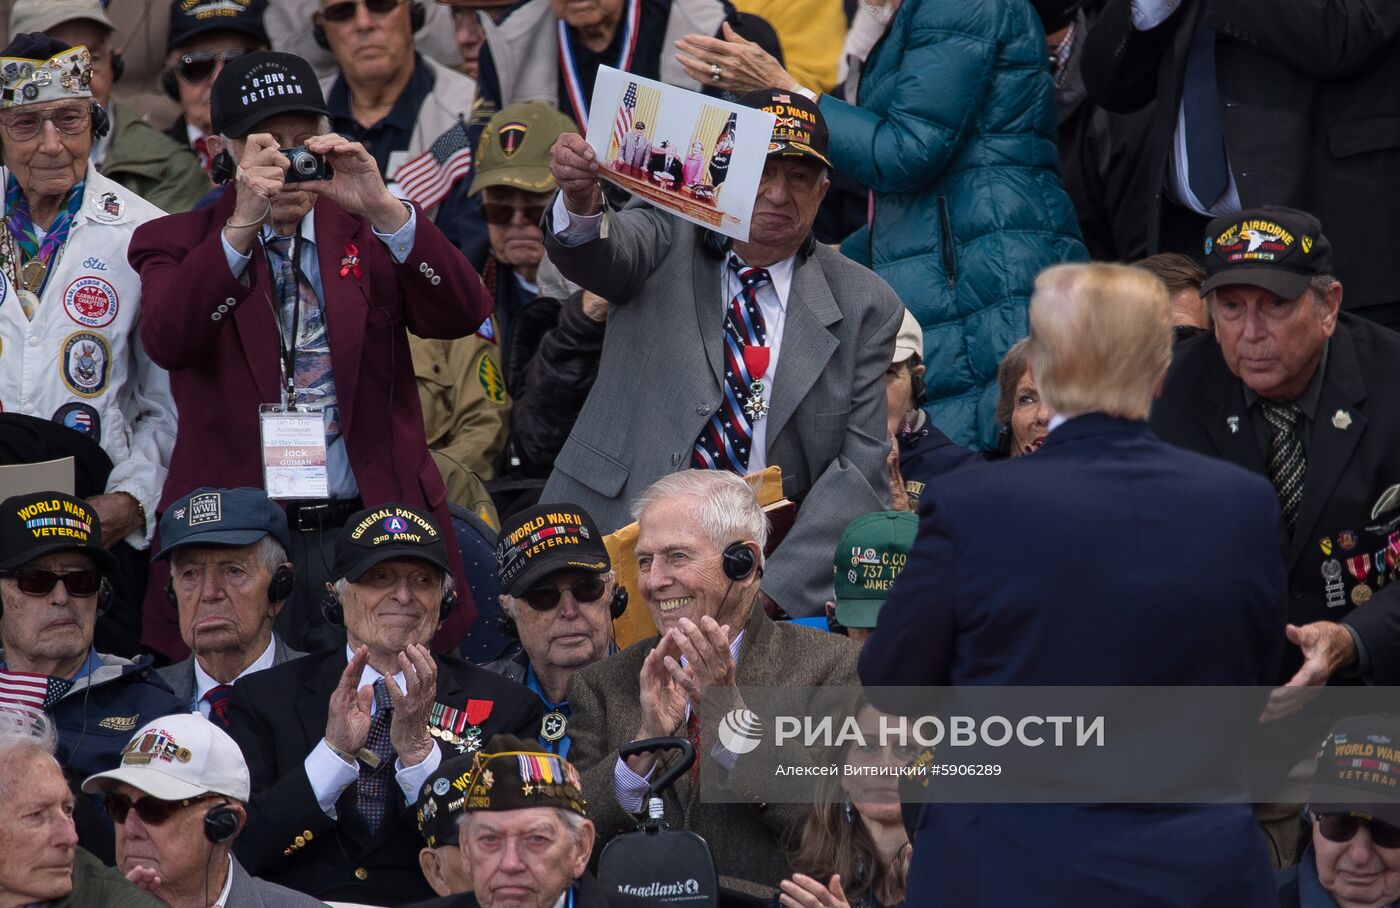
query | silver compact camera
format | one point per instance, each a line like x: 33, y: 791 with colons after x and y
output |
x: 306, y: 165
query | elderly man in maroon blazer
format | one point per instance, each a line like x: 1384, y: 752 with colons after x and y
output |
x: 295, y: 292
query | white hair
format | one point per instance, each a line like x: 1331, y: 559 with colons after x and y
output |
x: 23, y: 733
x: 724, y: 506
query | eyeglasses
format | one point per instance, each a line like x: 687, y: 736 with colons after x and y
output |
x: 499, y: 213
x: 544, y: 598
x: 152, y: 811
x: 345, y: 11
x: 33, y: 582
x: 1341, y: 827
x: 197, y: 67
x: 70, y: 121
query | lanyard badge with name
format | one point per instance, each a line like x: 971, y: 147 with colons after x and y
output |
x: 293, y: 435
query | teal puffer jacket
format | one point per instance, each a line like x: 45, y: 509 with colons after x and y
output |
x: 955, y: 131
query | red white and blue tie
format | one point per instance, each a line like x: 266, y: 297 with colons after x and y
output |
x: 726, y: 440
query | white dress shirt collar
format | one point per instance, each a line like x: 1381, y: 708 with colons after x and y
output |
x: 204, y: 682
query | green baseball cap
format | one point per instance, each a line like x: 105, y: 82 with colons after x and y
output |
x: 514, y: 147
x: 870, y: 555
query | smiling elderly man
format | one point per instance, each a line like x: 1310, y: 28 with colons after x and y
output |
x: 700, y: 538
x: 731, y: 356
x: 41, y: 865
x: 339, y: 743
x: 229, y: 576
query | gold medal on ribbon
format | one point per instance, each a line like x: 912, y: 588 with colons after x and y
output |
x: 31, y: 274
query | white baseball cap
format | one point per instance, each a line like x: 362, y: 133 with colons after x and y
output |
x: 910, y: 339
x: 177, y: 757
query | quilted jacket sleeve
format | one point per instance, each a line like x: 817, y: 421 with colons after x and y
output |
x: 947, y: 58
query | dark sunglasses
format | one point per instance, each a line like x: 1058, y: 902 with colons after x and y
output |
x: 152, y: 811
x: 34, y: 582
x: 197, y: 67
x: 586, y: 589
x: 345, y: 11
x: 1341, y: 827
x: 503, y: 213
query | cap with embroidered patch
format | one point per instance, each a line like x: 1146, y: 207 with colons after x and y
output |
x: 799, y: 130
x: 538, y: 541
x: 513, y: 150
x: 872, y: 552
x: 41, y: 523
x: 511, y: 774
x: 179, y: 756
x: 441, y: 798
x: 376, y: 535
x: 1278, y: 249
x: 1358, y: 770
x: 191, y: 18
x: 222, y: 517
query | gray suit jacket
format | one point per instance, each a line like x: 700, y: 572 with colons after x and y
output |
x: 180, y: 676
x: 251, y: 892
x: 661, y: 377
x: 748, y: 840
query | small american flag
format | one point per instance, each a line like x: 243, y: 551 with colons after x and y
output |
x: 427, y: 178
x: 623, y: 124
x: 27, y: 690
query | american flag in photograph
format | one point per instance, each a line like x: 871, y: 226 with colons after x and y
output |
x: 428, y: 178
x: 26, y: 690
x: 623, y: 124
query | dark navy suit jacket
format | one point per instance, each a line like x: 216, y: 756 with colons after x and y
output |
x: 1105, y: 558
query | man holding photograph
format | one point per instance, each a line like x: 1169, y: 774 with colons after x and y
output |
x: 730, y: 355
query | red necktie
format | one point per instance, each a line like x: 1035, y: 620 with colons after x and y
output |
x: 217, y: 697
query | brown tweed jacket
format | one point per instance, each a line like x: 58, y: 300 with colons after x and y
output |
x: 748, y: 840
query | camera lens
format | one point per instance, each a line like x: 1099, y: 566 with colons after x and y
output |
x: 304, y: 163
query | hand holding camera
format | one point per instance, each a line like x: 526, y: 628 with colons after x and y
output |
x: 351, y: 180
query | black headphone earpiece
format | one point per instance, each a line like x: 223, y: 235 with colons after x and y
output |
x: 169, y: 85
x: 919, y: 389
x: 221, y: 169
x: 738, y: 561
x: 118, y: 65
x: 417, y: 15
x: 618, y: 603
x: 221, y: 824
x: 280, y: 587
x: 331, y: 609
x: 449, y: 602
x: 101, y: 121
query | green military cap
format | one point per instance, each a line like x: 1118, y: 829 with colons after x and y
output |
x: 514, y: 147
x: 870, y: 555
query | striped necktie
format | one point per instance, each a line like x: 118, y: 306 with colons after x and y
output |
x: 1288, y: 463
x: 726, y: 440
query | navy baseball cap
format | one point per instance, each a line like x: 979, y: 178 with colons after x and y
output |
x: 1278, y: 249
x: 376, y: 535
x: 192, y: 18
x: 222, y: 517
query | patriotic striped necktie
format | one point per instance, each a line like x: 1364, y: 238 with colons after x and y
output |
x: 725, y: 442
